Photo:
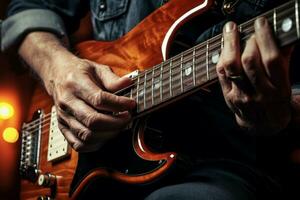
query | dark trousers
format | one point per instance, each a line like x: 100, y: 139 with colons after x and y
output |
x: 211, y: 182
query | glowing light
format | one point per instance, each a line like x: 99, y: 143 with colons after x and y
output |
x: 10, y: 135
x: 6, y: 110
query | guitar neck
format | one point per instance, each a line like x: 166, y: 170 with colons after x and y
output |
x: 186, y: 72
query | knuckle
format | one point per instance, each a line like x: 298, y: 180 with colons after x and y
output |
x: 246, y: 100
x: 105, y: 67
x: 69, y: 80
x: 271, y: 58
x: 248, y: 61
x: 85, y: 65
x: 236, y: 101
x: 89, y: 120
x: 243, y: 102
x: 97, y: 99
x: 77, y: 146
x: 229, y: 63
x: 62, y: 123
x: 84, y: 135
x: 63, y: 100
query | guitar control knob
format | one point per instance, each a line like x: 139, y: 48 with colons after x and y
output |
x: 44, y: 198
x: 46, y: 180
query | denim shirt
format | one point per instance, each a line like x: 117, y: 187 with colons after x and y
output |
x: 110, y: 18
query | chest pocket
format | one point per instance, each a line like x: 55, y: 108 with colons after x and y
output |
x: 108, y: 18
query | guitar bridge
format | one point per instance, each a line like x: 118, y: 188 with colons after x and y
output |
x: 30, y: 147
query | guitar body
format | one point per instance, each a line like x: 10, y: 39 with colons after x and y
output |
x: 154, y: 35
x: 63, y: 170
x: 142, y: 48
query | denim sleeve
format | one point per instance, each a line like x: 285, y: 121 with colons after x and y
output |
x: 55, y: 16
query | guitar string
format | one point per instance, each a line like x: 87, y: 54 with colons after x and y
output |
x: 175, y: 87
x: 173, y: 66
x: 246, y: 24
x: 177, y: 77
x: 251, y: 21
x: 200, y: 46
x: 149, y: 71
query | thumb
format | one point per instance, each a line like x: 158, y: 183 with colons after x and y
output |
x: 109, y: 79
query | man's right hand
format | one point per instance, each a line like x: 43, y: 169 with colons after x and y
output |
x: 82, y: 91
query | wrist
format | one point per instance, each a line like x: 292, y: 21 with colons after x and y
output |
x: 44, y: 52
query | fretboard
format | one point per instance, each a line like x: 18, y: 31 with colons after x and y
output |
x: 185, y: 73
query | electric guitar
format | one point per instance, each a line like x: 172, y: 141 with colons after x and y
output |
x: 50, y: 169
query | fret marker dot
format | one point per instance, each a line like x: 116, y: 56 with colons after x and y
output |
x: 188, y: 69
x: 287, y: 25
x: 156, y: 84
x: 215, y: 57
x: 141, y: 93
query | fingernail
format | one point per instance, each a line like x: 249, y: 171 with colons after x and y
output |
x: 229, y: 27
x: 260, y: 22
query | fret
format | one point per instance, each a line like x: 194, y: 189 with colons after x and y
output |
x: 145, y: 91
x: 297, y: 18
x: 240, y: 27
x: 149, y: 87
x: 181, y: 74
x: 187, y: 70
x: 243, y: 32
x: 152, y: 86
x: 222, y: 42
x: 200, y: 71
x: 247, y: 31
x: 170, y: 77
x: 131, y: 93
x: 214, y: 53
x: 275, y: 21
x: 156, y: 85
x: 193, y: 66
x: 165, y: 73
x: 137, y: 94
x: 176, y: 76
x: 207, y: 66
x: 141, y: 93
x: 161, y: 82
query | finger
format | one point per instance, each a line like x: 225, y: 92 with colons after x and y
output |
x: 94, y: 120
x: 231, y: 50
x: 74, y: 142
x: 101, y: 100
x: 270, y: 53
x: 224, y: 82
x: 110, y: 80
x: 78, y: 129
x: 83, y: 133
x: 252, y: 66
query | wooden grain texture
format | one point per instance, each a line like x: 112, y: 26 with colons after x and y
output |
x: 141, y: 47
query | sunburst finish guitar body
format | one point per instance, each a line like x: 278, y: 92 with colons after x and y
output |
x: 50, y: 169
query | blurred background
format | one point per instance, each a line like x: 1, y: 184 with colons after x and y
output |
x: 15, y: 92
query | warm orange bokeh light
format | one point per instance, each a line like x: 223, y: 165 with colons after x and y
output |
x: 6, y: 110
x: 10, y: 135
